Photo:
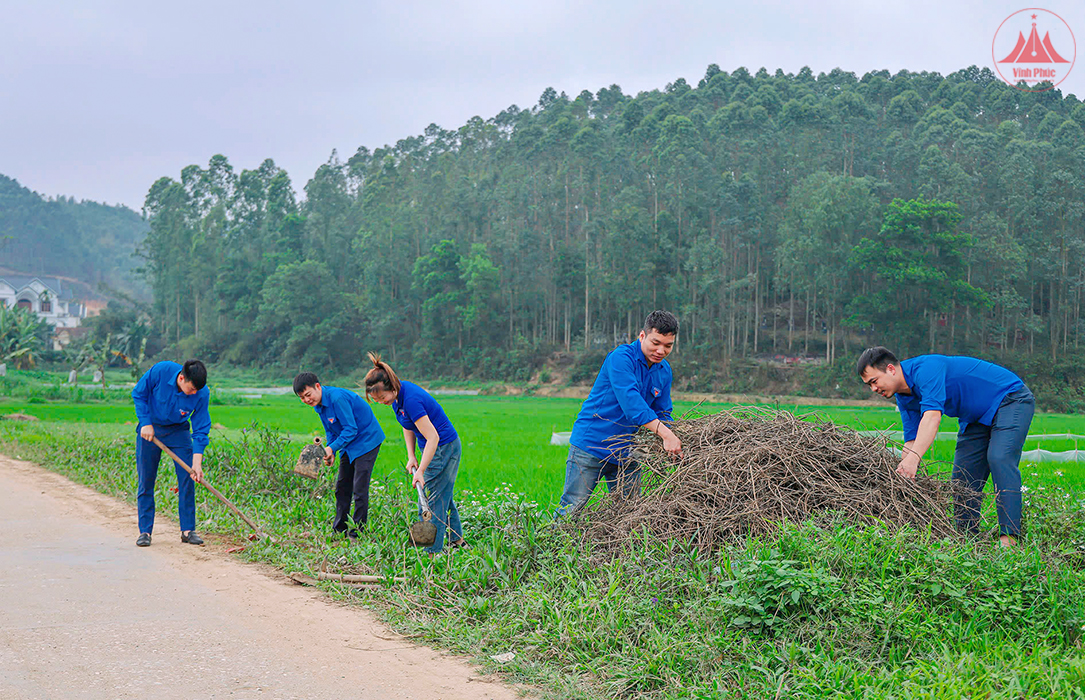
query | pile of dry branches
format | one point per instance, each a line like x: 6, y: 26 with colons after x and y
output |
x: 745, y: 470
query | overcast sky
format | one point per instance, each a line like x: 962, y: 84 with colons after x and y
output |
x: 100, y: 98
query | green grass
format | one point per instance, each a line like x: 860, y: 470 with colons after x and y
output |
x: 842, y: 611
x: 506, y: 439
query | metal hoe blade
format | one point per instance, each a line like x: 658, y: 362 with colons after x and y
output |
x: 423, y: 533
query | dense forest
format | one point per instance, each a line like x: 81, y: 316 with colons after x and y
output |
x: 92, y: 242
x: 775, y: 213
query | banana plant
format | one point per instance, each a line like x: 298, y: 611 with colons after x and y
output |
x: 23, y: 336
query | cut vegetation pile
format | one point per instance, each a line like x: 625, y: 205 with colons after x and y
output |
x: 746, y: 470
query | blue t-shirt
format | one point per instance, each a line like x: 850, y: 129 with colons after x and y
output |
x: 964, y: 388
x: 628, y: 393
x: 159, y: 402
x: 412, y: 403
x: 349, y: 423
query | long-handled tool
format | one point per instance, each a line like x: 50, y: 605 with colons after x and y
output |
x: 423, y: 533
x: 212, y: 489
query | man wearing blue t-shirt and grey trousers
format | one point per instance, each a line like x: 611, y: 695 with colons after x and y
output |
x: 352, y: 430
x: 168, y: 398
x: 994, y: 409
x: 632, y: 391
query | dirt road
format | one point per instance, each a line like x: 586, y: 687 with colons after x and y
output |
x: 86, y: 614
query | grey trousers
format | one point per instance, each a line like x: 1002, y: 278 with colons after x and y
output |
x: 994, y: 451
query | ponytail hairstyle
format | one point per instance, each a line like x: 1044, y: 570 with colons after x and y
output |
x: 381, y: 377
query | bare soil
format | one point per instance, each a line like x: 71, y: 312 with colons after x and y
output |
x: 87, y: 614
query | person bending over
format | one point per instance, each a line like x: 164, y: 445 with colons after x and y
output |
x: 350, y: 429
x: 168, y: 398
x: 994, y: 409
x: 632, y: 391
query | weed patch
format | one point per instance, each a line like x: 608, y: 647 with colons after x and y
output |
x: 820, y: 609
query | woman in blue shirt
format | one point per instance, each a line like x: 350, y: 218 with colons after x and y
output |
x: 425, y: 424
x: 351, y: 430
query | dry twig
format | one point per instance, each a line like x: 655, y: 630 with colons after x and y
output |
x: 746, y: 470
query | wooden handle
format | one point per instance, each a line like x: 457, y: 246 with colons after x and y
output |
x: 212, y: 489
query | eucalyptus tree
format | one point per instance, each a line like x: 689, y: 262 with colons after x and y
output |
x: 751, y: 202
x: 827, y: 216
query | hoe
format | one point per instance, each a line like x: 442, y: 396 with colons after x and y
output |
x: 212, y: 489
x: 422, y: 534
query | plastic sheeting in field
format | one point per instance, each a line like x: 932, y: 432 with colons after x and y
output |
x: 560, y: 438
x: 1048, y: 456
x: 898, y: 435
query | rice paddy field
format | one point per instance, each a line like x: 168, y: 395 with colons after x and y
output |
x: 506, y: 440
x: 837, y: 609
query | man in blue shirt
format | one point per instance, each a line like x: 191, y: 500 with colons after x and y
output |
x: 351, y: 430
x: 632, y: 391
x: 994, y: 409
x: 167, y: 398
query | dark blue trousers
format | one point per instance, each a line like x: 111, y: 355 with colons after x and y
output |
x: 994, y: 451
x: 179, y: 439
x: 354, y: 477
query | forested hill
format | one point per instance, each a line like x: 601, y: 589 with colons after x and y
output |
x: 775, y: 213
x: 89, y: 241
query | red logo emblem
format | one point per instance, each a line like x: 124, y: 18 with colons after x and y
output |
x: 1034, y: 47
x: 332, y: 419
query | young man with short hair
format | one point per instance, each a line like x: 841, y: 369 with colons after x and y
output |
x: 632, y: 391
x: 352, y: 430
x: 168, y: 398
x: 994, y: 409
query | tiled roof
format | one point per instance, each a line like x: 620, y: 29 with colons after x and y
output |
x: 61, y: 291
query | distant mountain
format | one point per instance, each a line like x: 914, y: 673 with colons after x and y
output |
x: 88, y: 241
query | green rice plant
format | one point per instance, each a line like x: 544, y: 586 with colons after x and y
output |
x: 826, y: 609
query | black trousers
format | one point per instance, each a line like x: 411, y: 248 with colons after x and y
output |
x: 353, y: 484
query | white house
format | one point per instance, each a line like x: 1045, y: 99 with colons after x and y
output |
x: 49, y: 298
